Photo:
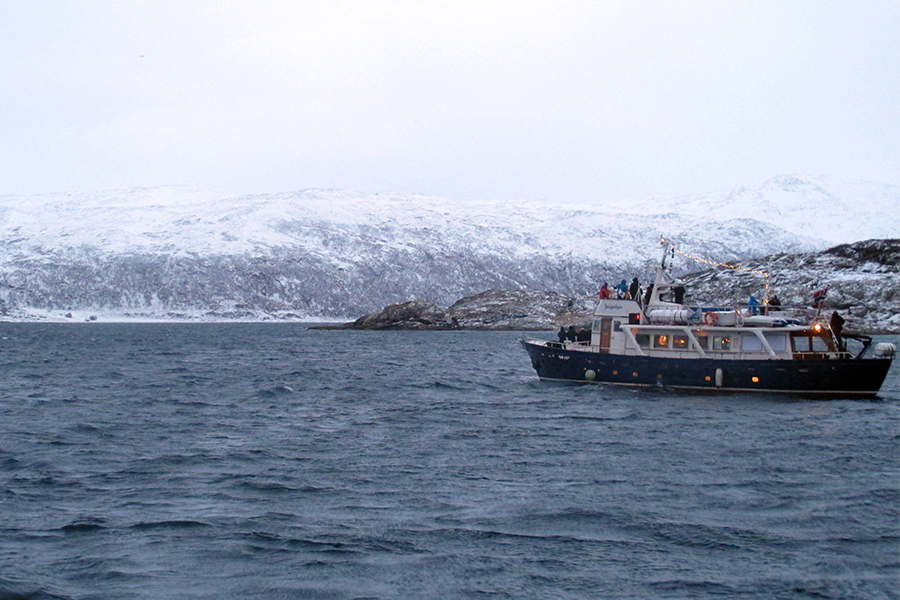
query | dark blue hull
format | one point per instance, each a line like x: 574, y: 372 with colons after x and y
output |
x: 858, y: 378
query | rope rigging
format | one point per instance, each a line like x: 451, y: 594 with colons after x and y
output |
x: 726, y: 266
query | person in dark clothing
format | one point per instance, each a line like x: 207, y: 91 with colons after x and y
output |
x: 561, y: 335
x: 572, y: 335
x: 648, y: 294
x: 635, y: 289
x: 837, y: 323
x: 837, y: 326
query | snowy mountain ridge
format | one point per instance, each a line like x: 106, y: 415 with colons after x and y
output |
x: 334, y: 254
x: 826, y: 208
x: 185, y: 219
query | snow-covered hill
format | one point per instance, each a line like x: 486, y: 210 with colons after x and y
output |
x: 835, y: 210
x: 180, y: 252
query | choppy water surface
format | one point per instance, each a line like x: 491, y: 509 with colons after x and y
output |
x: 268, y: 461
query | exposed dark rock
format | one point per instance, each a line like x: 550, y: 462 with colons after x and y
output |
x: 492, y: 309
x: 883, y: 252
x: 416, y: 314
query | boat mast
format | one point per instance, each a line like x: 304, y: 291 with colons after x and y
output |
x: 659, y: 283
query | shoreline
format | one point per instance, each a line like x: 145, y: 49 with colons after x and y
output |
x: 311, y: 323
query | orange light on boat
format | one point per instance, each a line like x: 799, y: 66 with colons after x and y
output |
x: 817, y: 327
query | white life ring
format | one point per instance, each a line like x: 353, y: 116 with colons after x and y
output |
x: 710, y: 318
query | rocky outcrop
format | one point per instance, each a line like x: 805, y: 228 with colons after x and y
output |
x: 492, y: 309
x: 415, y: 314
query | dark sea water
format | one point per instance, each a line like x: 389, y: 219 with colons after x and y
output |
x: 269, y: 461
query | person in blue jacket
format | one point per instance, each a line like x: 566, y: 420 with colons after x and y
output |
x: 753, y: 305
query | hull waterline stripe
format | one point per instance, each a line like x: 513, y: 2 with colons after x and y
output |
x: 713, y: 389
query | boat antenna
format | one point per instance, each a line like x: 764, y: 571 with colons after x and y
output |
x: 726, y: 266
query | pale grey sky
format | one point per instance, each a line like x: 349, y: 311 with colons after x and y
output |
x: 568, y: 100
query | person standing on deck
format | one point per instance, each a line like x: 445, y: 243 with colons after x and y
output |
x: 753, y: 305
x: 635, y: 290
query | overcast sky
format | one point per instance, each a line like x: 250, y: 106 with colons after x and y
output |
x: 560, y: 100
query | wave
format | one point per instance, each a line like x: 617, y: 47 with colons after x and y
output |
x: 274, y: 392
x: 82, y: 527
x: 349, y: 545
x: 170, y: 524
x: 273, y: 486
x: 438, y: 385
x: 16, y: 590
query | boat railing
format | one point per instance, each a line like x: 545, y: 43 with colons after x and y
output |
x: 789, y: 311
x: 819, y: 355
x: 780, y: 316
x: 729, y: 316
x: 567, y: 344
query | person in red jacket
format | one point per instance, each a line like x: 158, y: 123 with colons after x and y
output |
x: 819, y: 298
x: 604, y: 291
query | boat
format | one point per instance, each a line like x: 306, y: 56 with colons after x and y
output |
x: 672, y: 345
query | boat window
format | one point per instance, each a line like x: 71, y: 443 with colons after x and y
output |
x: 643, y: 340
x: 810, y: 343
x: 723, y: 342
x: 751, y: 343
x: 819, y: 344
x: 702, y: 340
x: 778, y: 342
x: 617, y: 325
x: 596, y: 325
x: 661, y: 340
x: 680, y: 342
